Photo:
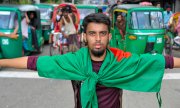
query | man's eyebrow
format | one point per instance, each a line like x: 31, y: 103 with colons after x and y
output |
x: 91, y: 31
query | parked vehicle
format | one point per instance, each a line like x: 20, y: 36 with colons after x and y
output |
x: 12, y: 48
x: 144, y: 29
x: 85, y: 10
x: 46, y: 11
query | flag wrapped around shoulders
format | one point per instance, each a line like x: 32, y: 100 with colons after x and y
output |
x: 123, y: 70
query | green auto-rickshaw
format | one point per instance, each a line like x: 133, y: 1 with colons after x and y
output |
x: 144, y: 29
x: 11, y: 15
x: 85, y: 9
x: 46, y: 11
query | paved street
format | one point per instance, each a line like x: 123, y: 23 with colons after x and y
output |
x: 24, y: 89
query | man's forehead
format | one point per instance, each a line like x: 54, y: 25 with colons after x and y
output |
x: 94, y: 25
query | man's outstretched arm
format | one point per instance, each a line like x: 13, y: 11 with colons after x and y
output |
x: 176, y: 62
x: 20, y: 63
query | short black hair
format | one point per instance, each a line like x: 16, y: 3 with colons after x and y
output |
x: 96, y: 18
x: 67, y: 8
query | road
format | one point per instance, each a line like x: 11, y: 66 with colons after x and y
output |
x: 24, y: 89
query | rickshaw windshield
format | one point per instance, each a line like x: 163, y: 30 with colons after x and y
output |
x: 45, y: 13
x: 85, y: 12
x: 147, y: 20
x: 8, y: 20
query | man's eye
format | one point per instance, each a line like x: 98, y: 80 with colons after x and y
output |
x: 103, y: 33
x: 91, y: 33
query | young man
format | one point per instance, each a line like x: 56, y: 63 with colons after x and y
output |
x: 102, y: 71
x: 33, y: 25
x: 121, y: 24
x: 167, y: 15
x: 68, y: 23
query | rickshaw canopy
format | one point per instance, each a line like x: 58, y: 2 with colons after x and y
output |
x: 74, y: 11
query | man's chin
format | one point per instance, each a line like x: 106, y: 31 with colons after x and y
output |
x: 97, y: 52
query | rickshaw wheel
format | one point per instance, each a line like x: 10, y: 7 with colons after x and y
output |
x: 55, y: 50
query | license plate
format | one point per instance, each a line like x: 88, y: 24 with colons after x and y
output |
x: 151, y: 39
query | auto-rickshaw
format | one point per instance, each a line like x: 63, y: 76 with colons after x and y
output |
x: 144, y: 29
x: 46, y: 11
x: 12, y: 48
x: 85, y: 10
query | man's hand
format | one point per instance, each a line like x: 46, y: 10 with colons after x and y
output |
x: 13, y: 36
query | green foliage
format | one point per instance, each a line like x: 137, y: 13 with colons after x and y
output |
x: 24, y: 2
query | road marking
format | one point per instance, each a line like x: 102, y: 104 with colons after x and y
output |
x: 15, y: 74
x: 168, y: 76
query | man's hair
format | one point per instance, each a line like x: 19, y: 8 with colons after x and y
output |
x: 67, y: 8
x: 96, y: 18
x: 118, y: 1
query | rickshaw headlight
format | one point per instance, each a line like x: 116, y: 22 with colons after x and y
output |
x: 132, y: 37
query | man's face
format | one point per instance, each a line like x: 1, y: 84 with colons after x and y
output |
x: 32, y: 15
x: 65, y: 13
x: 119, y: 18
x: 158, y: 5
x: 119, y: 3
x: 168, y: 9
x: 97, y: 37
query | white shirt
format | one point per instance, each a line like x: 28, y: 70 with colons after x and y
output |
x: 24, y: 27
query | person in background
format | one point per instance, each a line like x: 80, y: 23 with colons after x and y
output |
x: 121, y: 24
x: 69, y: 29
x: 57, y: 28
x: 158, y: 4
x: 33, y: 25
x: 24, y: 28
x: 167, y: 14
x: 119, y: 2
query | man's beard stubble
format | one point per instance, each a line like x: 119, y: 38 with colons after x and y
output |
x: 98, y: 53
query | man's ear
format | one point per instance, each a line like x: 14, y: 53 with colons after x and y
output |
x: 84, y: 37
x: 110, y: 36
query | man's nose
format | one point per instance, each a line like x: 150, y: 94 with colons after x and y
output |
x: 98, y: 37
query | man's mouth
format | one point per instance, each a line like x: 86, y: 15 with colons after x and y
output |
x: 98, y: 46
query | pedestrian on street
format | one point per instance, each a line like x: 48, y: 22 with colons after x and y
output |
x: 167, y: 15
x: 101, y: 70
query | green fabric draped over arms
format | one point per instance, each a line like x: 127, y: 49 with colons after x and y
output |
x: 142, y: 73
